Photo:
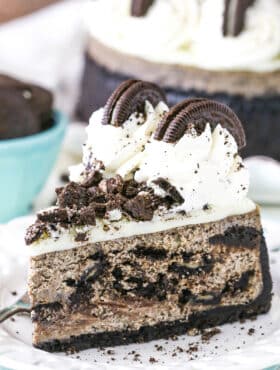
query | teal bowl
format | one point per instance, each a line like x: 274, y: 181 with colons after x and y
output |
x: 25, y: 164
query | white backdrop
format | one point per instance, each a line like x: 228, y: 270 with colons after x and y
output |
x: 47, y: 48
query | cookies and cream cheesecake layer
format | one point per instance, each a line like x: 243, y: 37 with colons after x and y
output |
x: 206, y: 170
x: 192, y: 33
x: 152, y: 286
x: 154, y: 234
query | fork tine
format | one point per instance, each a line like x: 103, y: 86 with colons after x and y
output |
x: 21, y: 306
x: 11, y: 311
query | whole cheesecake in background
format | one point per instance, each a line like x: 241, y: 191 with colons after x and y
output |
x: 155, y: 234
x: 220, y: 49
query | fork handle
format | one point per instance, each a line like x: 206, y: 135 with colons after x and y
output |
x: 10, y: 311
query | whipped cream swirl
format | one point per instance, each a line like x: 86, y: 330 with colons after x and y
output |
x: 190, y: 33
x: 206, y: 169
x: 117, y: 147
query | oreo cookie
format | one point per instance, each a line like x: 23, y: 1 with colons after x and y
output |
x: 139, y: 8
x: 234, y: 16
x: 196, y: 113
x: 16, y: 118
x: 128, y: 98
x: 25, y: 109
x: 165, y: 122
x: 170, y: 190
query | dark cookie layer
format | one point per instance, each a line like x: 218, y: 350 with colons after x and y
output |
x: 196, y: 113
x: 128, y: 98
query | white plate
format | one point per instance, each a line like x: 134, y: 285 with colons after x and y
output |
x: 230, y: 349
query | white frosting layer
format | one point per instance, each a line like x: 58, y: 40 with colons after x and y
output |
x: 189, y: 33
x: 64, y: 239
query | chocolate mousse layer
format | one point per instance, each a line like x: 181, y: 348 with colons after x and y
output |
x: 150, y: 286
x: 253, y: 96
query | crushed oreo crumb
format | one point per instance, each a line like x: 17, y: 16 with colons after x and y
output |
x: 81, y: 237
x: 35, y: 232
x: 208, y: 334
x: 193, y: 347
x: 87, y: 216
x: 170, y: 190
x: 110, y: 352
x: 152, y: 360
x: 91, y: 178
x: 114, y: 185
x: 93, y: 174
x: 131, y: 188
x: 251, y: 331
x: 64, y: 177
x: 72, y: 195
x: 140, y: 207
x: 55, y: 215
x: 158, y: 347
x: 81, y: 203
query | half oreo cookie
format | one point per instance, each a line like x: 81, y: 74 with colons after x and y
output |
x: 197, y: 113
x: 128, y: 98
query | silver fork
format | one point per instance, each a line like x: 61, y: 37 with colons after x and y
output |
x: 22, y: 305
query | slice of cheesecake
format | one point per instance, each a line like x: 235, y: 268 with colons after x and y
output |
x: 155, y: 234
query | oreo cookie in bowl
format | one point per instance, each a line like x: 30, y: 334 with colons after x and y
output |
x: 224, y: 50
x: 30, y: 136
